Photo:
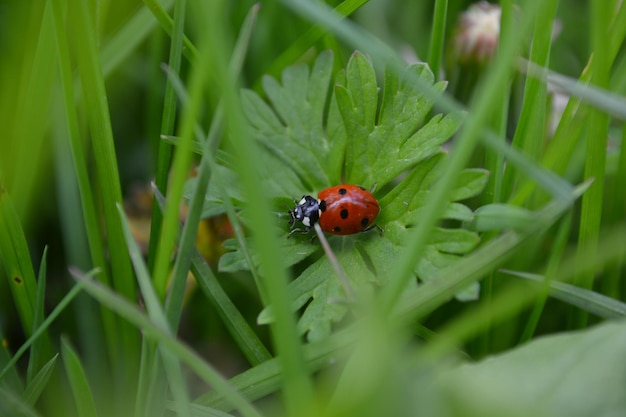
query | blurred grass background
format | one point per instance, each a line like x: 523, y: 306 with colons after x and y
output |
x: 82, y: 81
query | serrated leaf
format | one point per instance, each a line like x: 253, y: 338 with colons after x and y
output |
x: 471, y: 183
x: 457, y: 211
x: 294, y: 132
x: 501, y: 217
x: 379, y: 150
x: 320, y: 288
x: 235, y: 261
x: 367, y: 145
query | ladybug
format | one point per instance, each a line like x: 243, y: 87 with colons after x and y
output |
x: 340, y: 210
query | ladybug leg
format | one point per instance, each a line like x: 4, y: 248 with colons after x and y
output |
x: 302, y: 231
x: 375, y: 226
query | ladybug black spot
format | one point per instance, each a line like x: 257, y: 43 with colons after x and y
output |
x: 342, y: 191
x: 344, y: 214
x: 337, y: 229
x: 364, y: 222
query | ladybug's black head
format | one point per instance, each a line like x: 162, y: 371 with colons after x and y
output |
x: 306, y: 211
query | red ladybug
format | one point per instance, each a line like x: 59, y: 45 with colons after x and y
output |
x: 340, y: 210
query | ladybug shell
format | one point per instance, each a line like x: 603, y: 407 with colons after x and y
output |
x: 347, y: 209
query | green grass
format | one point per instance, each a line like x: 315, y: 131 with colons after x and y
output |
x: 504, y: 216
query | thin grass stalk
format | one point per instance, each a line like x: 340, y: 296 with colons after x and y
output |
x: 30, y: 122
x: 152, y: 386
x: 79, y: 164
x: 179, y: 173
x: 124, y: 42
x: 83, y: 395
x: 437, y: 39
x: 166, y: 340
x: 206, y: 167
x: 298, y: 47
x: 15, y: 259
x: 40, y: 330
x: 494, y: 161
x: 108, y: 182
x: 612, y: 283
x: 556, y: 255
x: 595, y: 162
x: 36, y: 351
x: 168, y: 118
x: 516, y: 297
x: 529, y: 134
x: 298, y: 389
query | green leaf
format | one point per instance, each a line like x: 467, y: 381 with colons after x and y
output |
x: 39, y: 381
x: 551, y: 376
x: 83, y: 396
x: 590, y: 301
x: 13, y: 406
x: 165, y: 340
x: 292, y: 128
x: 500, y: 217
x: 382, y: 147
x: 369, y: 145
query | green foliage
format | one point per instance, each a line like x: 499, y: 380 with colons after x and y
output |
x: 485, y: 242
x: 549, y: 377
x: 309, y: 140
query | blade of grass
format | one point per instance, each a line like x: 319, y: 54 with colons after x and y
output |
x: 28, y: 125
x: 302, y: 44
x: 95, y: 96
x: 12, y: 405
x: 166, y: 22
x: 168, y: 118
x: 567, y: 137
x: 266, y: 378
x: 485, y: 259
x: 207, y: 165
x: 151, y: 372
x: 157, y: 317
x: 612, y: 283
x: 556, y: 254
x: 41, y: 329
x: 590, y: 301
x: 15, y: 258
x: 148, y: 293
x: 36, y: 351
x: 179, y: 172
x: 244, y: 336
x: 601, y: 99
x: 39, y: 381
x: 83, y: 397
x: 132, y: 313
x: 298, y: 388
x: 517, y: 297
x: 595, y: 162
x: 529, y: 133
x: 251, y: 346
x: 129, y: 37
x: 494, y: 161
x: 9, y: 375
x: 435, y: 51
x: 79, y: 165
